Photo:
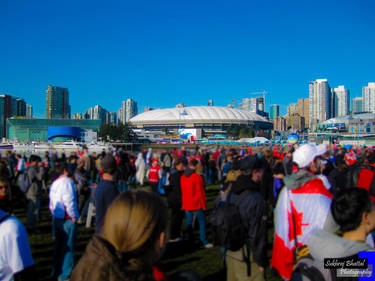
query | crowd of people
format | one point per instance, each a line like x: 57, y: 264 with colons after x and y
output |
x: 317, y: 196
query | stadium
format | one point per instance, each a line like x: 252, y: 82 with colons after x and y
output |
x: 204, y: 120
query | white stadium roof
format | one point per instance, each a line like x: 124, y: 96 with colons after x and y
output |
x: 197, y: 114
x: 345, y: 119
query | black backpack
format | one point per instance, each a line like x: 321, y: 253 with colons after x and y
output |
x: 228, y: 230
x: 24, y: 181
x: 308, y: 269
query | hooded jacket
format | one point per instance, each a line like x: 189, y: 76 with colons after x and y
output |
x: 298, y: 179
x: 100, y: 263
x: 36, y: 175
x: 174, y: 189
x: 193, y: 194
x: 326, y: 245
x: 323, y: 245
x: 303, y: 206
x: 253, y: 211
x: 301, y: 178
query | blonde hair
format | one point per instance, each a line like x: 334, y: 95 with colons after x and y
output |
x: 133, y: 224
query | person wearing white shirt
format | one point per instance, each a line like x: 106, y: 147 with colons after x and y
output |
x: 21, y: 165
x: 63, y: 206
x: 16, y: 262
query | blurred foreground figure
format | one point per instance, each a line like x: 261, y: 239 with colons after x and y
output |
x: 354, y: 212
x: 132, y: 240
x: 16, y: 262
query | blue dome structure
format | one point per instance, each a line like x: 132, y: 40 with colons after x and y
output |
x: 64, y: 132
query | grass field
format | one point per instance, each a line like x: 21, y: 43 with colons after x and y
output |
x: 207, y: 263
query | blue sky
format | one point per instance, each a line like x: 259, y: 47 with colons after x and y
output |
x: 161, y: 53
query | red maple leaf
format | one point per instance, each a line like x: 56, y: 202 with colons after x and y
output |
x: 298, y: 217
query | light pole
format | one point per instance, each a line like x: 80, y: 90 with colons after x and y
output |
x: 181, y: 112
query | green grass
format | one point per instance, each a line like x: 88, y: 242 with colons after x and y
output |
x: 207, y: 263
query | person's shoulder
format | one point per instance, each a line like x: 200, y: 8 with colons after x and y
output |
x: 254, y: 196
x: 97, y: 261
x: 62, y: 181
x: 313, y: 186
x: 196, y: 176
x: 67, y: 180
x: 53, y: 184
x: 105, y: 184
x: 30, y: 169
x: 12, y: 227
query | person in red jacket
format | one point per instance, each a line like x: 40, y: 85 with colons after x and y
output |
x: 154, y: 175
x: 194, y: 201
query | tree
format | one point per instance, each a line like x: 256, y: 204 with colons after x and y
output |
x: 244, y: 132
x: 120, y: 132
x: 251, y: 133
x: 126, y: 132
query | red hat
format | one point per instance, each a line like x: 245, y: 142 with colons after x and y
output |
x: 155, y: 160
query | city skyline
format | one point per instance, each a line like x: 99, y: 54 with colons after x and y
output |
x: 244, y: 103
x: 162, y: 54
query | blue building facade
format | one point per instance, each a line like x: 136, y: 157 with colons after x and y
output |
x: 26, y: 130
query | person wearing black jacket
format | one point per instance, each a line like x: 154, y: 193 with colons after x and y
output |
x: 253, y: 212
x: 174, y: 200
x: 123, y: 172
x: 82, y: 182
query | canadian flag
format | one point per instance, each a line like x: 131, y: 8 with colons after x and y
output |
x: 310, y: 205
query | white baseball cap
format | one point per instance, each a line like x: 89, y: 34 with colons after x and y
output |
x: 306, y: 153
x: 321, y: 148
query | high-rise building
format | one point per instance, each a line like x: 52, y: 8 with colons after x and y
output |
x: 320, y: 98
x: 128, y: 110
x: 368, y: 95
x: 131, y: 109
x: 57, y: 103
x: 295, y: 122
x: 5, y: 113
x: 303, y: 110
x: 100, y: 113
x: 341, y: 101
x: 279, y: 124
x: 13, y: 106
x: 357, y: 105
x: 121, y: 114
x: 255, y: 105
x: 210, y: 102
x: 113, y: 118
x: 97, y: 113
x: 274, y: 111
x: 21, y: 107
x: 89, y: 114
x: 9, y: 107
x: 78, y: 116
x: 292, y: 108
x: 29, y: 111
